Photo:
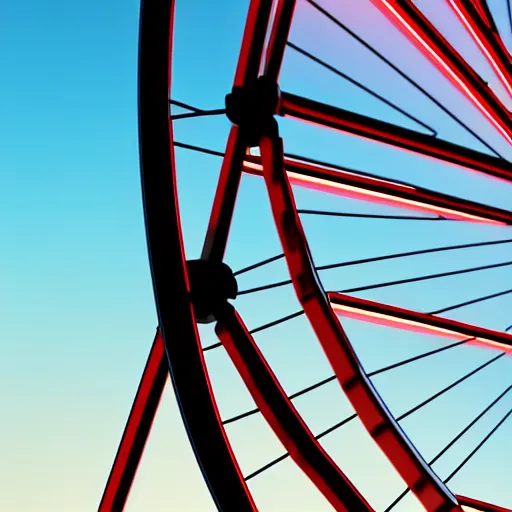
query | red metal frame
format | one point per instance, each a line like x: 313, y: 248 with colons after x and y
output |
x: 480, y: 25
x: 418, y: 29
x: 283, y: 418
x: 387, y: 133
x: 252, y: 50
x: 386, y: 432
x: 393, y: 316
x: 278, y: 38
x: 176, y: 317
x: 196, y: 400
x: 247, y: 71
x: 480, y: 505
x: 348, y: 184
x: 170, y: 279
x: 137, y: 429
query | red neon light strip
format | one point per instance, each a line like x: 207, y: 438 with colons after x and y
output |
x: 137, y: 429
x: 283, y: 418
x: 373, y: 129
x: 374, y: 415
x: 487, y: 39
x: 383, y: 191
x: 480, y: 505
x: 393, y: 316
x: 415, y: 26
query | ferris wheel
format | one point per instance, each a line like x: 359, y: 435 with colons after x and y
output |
x: 343, y: 332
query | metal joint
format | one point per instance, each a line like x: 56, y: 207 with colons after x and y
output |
x: 211, y: 285
x: 253, y: 107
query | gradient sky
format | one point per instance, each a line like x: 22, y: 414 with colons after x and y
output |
x: 76, y: 293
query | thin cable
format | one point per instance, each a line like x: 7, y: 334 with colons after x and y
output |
x: 450, y: 386
x: 262, y: 327
x: 452, y: 442
x: 361, y: 86
x: 353, y: 416
x: 469, y: 302
x: 284, y: 456
x: 198, y: 149
x: 383, y: 258
x: 509, y: 9
x: 421, y: 356
x: 470, y: 425
x: 323, y: 163
x: 369, y: 215
x: 203, y: 113
x: 426, y: 278
x: 293, y: 156
x: 263, y: 287
x: 415, y: 84
x: 267, y: 466
x: 480, y: 444
x: 419, y: 252
x: 321, y: 383
x: 291, y: 397
x: 276, y: 322
x: 259, y: 264
x: 186, y: 106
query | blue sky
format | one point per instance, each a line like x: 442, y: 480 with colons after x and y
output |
x: 76, y: 294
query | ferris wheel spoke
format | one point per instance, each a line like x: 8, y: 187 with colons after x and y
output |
x: 450, y: 386
x: 336, y: 118
x: 472, y: 301
x: 417, y: 28
x: 332, y: 378
x: 361, y: 86
x: 408, y: 319
x: 263, y: 327
x: 431, y: 325
x: 369, y: 215
x: 452, y: 442
x: 436, y: 312
x: 426, y: 277
x: 185, y: 106
x: 478, y: 447
x: 407, y: 413
x: 387, y: 284
x: 259, y: 264
x: 375, y: 259
x: 480, y: 26
x: 333, y: 178
x: 203, y: 113
x: 509, y: 11
x: 401, y: 73
x: 346, y: 182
